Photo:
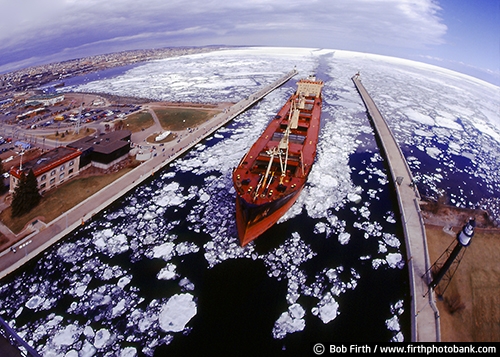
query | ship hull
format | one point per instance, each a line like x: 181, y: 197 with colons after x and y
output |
x: 252, y: 221
x: 270, y: 177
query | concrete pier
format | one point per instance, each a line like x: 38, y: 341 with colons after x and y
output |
x: 424, y: 313
x: 11, y: 344
x: 49, y: 233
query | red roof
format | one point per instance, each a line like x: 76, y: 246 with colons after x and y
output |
x: 47, y: 161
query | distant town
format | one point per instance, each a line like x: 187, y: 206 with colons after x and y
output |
x: 34, y: 77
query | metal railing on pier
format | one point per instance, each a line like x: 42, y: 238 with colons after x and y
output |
x: 19, y: 346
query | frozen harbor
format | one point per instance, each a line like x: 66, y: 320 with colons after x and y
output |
x: 161, y: 270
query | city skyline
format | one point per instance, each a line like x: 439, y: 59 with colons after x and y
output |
x: 459, y: 35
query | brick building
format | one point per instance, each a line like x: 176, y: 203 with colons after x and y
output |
x: 51, y: 168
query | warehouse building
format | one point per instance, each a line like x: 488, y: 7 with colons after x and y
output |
x: 45, y: 100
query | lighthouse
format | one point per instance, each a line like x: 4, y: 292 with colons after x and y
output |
x: 463, y: 240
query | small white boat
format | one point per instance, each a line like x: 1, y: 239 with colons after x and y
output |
x: 162, y: 136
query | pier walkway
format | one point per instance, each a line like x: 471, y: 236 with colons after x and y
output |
x: 48, y: 234
x: 11, y: 344
x: 424, y: 314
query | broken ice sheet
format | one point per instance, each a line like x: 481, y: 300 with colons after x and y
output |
x: 177, y: 312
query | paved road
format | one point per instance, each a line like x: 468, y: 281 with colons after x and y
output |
x: 425, y: 316
x: 47, y: 234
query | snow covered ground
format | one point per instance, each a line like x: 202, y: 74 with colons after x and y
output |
x: 89, y: 301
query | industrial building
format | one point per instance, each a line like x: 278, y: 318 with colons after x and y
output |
x: 103, y: 150
x: 45, y: 100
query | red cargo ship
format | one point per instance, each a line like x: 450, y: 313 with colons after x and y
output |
x: 270, y: 177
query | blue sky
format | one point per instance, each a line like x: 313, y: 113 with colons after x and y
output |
x: 462, y: 35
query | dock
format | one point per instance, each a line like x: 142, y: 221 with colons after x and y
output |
x: 42, y: 238
x: 425, y: 324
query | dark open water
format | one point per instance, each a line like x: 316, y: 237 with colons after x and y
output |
x: 88, y: 77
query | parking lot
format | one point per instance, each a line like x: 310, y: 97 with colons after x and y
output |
x: 26, y: 122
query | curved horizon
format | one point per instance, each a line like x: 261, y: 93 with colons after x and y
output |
x: 462, y: 36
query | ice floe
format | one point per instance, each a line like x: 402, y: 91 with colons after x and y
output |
x: 102, y: 338
x: 393, y: 323
x: 289, y: 322
x: 107, y: 242
x: 168, y: 272
x: 177, y: 312
x: 327, y: 308
x: 440, y: 118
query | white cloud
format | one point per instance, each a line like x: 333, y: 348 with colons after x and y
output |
x: 53, y: 25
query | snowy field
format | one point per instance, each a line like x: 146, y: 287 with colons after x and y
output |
x: 84, y: 298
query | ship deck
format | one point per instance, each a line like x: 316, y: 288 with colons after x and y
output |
x: 301, y: 154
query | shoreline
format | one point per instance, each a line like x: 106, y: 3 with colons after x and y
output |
x: 50, y: 233
x: 468, y: 306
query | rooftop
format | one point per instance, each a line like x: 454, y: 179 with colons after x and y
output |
x: 47, y: 161
x: 104, y: 143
